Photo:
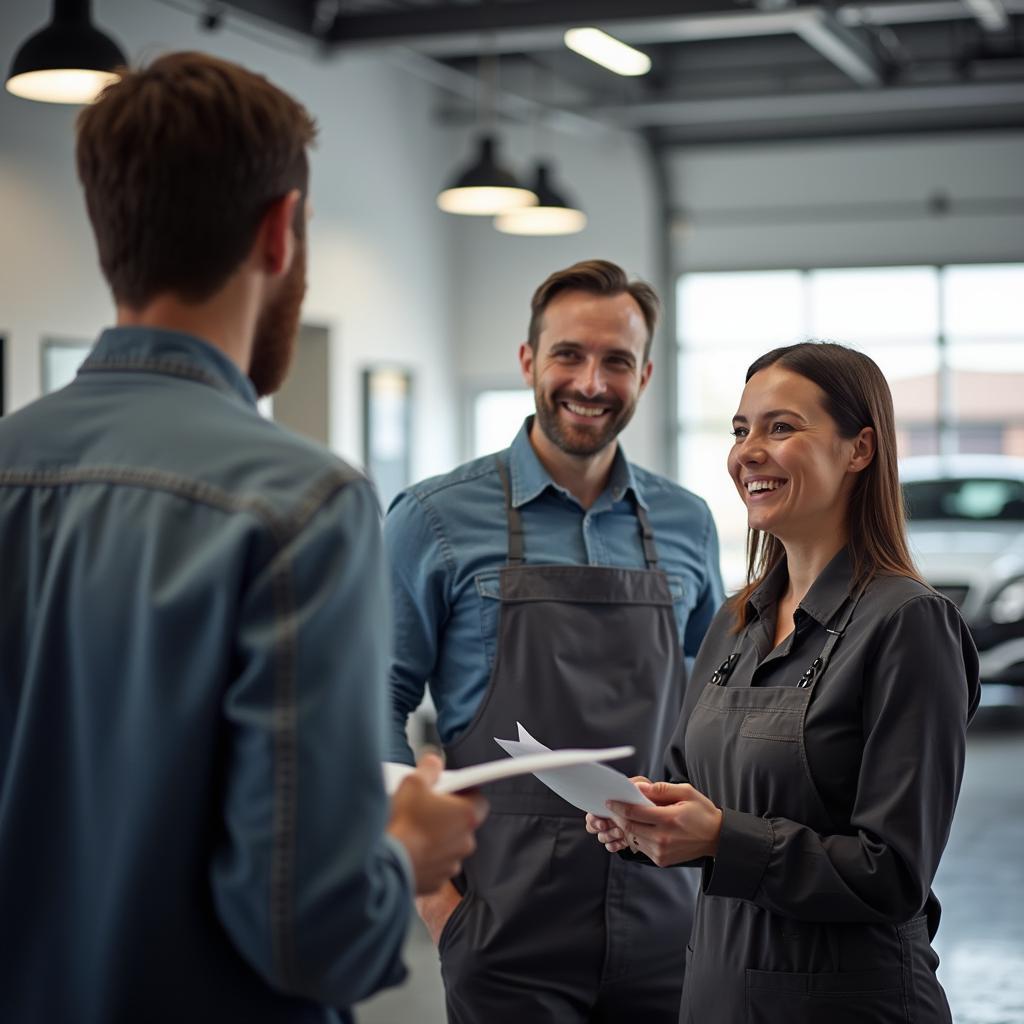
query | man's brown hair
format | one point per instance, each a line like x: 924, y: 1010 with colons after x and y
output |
x: 596, y: 277
x: 180, y: 161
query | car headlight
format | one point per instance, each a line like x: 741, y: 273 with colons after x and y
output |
x: 1008, y: 604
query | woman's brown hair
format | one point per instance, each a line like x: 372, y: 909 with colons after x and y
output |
x: 856, y: 396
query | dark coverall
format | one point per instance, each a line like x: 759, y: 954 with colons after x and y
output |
x: 836, y: 759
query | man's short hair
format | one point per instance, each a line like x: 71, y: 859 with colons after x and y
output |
x: 180, y: 161
x: 596, y: 277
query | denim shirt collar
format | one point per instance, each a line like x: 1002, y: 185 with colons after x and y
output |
x: 154, y: 350
x: 530, y: 479
x: 826, y: 596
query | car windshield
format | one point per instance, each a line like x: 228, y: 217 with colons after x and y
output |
x: 977, y: 499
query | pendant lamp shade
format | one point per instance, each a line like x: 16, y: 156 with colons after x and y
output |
x: 67, y: 61
x: 485, y: 188
x: 553, y: 214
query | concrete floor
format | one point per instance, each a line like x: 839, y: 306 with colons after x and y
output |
x: 980, y: 884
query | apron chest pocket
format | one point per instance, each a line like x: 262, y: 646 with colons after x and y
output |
x: 683, y: 600
x: 783, y: 726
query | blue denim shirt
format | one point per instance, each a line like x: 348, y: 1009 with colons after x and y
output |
x: 193, y: 627
x: 447, y: 540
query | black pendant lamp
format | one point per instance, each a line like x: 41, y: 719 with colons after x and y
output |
x: 553, y: 214
x: 485, y: 187
x: 68, y: 61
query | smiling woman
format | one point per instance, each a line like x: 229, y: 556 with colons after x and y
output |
x: 816, y: 764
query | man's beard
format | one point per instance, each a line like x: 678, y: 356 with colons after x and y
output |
x: 575, y: 439
x: 277, y: 329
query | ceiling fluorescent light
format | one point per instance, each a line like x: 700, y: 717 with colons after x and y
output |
x: 67, y: 61
x: 607, y: 51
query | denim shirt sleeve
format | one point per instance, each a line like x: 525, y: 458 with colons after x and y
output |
x: 421, y: 565
x: 710, y: 598
x: 312, y: 892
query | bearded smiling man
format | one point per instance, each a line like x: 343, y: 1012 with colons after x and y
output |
x: 556, y: 584
x: 193, y: 622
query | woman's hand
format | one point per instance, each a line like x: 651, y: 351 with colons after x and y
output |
x: 607, y: 832
x: 683, y: 825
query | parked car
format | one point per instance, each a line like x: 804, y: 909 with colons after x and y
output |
x: 966, y: 524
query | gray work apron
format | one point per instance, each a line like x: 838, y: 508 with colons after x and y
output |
x: 550, y: 927
x: 746, y: 750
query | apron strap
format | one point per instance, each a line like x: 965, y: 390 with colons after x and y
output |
x: 646, y: 535
x: 515, y: 525
x: 515, y: 520
x: 820, y: 663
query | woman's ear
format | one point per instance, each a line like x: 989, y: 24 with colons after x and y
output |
x: 863, y: 450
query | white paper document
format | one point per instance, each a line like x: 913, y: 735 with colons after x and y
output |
x: 585, y: 784
x: 575, y: 775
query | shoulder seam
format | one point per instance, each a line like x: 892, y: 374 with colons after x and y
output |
x: 434, y: 522
x: 420, y: 491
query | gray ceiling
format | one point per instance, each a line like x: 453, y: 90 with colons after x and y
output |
x: 724, y: 71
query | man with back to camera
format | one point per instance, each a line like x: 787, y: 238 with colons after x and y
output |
x: 193, y: 620
x: 557, y: 585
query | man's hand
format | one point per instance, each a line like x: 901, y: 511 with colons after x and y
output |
x: 436, y: 907
x: 436, y: 830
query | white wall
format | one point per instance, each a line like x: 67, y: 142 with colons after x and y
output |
x: 494, y: 275
x: 856, y: 202
x: 378, y: 246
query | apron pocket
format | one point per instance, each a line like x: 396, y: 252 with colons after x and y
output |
x: 846, y: 997
x: 453, y: 921
x: 783, y: 726
x: 683, y: 600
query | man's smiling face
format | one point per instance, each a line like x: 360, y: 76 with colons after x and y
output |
x: 588, y: 370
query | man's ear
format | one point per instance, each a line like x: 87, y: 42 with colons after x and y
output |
x: 645, y: 375
x: 526, y: 357
x: 275, y: 240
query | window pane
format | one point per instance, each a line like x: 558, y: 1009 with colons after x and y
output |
x: 987, y: 384
x: 710, y: 383
x: 765, y: 308
x: 497, y: 415
x: 913, y: 375
x: 878, y: 304
x: 702, y: 456
x: 985, y: 301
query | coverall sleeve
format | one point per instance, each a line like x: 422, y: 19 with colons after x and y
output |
x: 919, y: 691
x: 314, y: 894
x: 419, y: 567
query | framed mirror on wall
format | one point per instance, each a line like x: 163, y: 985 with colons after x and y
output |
x: 387, y: 429
x: 60, y: 359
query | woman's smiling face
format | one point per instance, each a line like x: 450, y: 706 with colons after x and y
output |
x: 789, y: 463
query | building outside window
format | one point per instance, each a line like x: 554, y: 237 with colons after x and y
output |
x: 950, y: 341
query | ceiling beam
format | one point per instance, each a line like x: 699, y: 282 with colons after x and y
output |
x: 991, y: 14
x: 685, y: 113
x: 449, y: 24
x: 840, y: 45
x: 296, y: 15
